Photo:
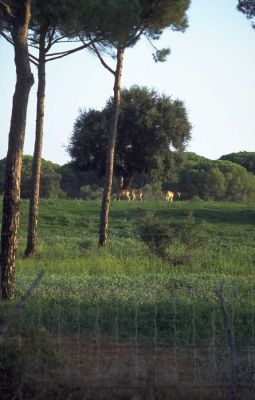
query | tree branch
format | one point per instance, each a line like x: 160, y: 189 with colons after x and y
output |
x: 60, y: 40
x: 19, y: 306
x: 137, y: 33
x: 6, y: 10
x: 68, y: 51
x: 33, y: 61
x: 56, y: 56
x: 50, y: 35
x: 33, y: 57
x: 151, y: 43
x: 57, y: 40
x: 95, y: 50
x: 6, y: 37
x: 34, y: 46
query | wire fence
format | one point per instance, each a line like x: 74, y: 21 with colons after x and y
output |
x: 153, y: 351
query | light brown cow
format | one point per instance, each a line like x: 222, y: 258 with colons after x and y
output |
x: 133, y: 194
x: 123, y: 194
x: 129, y: 195
x: 140, y: 195
x: 170, y: 195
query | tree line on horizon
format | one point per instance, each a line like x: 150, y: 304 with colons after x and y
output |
x: 106, y: 29
x: 230, y: 178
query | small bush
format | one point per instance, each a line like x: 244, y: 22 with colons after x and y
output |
x: 174, y: 241
x: 25, y: 358
x: 152, y: 193
x: 91, y: 192
x: 196, y: 198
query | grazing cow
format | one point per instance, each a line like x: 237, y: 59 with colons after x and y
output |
x: 140, y: 195
x: 133, y: 194
x: 170, y: 195
x: 126, y: 194
x: 123, y: 194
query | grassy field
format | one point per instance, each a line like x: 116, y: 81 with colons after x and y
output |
x: 122, y: 314
x: 126, y: 289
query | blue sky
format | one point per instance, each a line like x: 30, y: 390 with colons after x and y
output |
x: 211, y: 68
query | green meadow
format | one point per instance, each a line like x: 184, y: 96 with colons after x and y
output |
x: 126, y: 290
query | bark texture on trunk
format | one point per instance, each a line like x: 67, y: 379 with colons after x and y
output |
x: 11, y: 200
x: 105, y: 208
x: 36, y: 165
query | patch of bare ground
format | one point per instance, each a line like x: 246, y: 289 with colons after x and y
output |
x: 102, y: 369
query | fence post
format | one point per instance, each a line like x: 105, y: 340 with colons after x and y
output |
x: 231, y: 342
x: 17, y: 309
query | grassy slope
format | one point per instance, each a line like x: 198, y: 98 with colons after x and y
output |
x: 125, y: 290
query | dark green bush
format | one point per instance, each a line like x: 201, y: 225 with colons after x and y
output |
x: 175, y: 241
x: 25, y: 355
x: 91, y: 192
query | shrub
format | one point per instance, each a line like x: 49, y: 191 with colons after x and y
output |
x: 196, y: 198
x: 175, y: 241
x: 152, y: 193
x: 23, y: 355
x: 90, y: 192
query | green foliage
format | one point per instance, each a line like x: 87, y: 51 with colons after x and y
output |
x: 190, y: 158
x: 92, y: 192
x: 73, y: 179
x: 247, y: 7
x: 160, y: 55
x: 50, y: 178
x: 194, y: 176
x: 24, y: 353
x: 51, y: 13
x: 122, y: 22
x: 244, y: 158
x: 11, y: 369
x: 152, y: 192
x: 216, y: 180
x: 148, y: 125
x: 174, y: 241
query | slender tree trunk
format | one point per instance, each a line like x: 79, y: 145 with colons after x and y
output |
x: 104, y: 222
x: 36, y: 166
x: 11, y: 200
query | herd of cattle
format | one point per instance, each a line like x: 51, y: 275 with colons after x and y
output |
x: 133, y: 195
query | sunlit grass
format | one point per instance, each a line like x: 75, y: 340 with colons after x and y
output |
x: 125, y: 281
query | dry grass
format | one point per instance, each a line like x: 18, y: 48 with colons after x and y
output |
x: 105, y: 369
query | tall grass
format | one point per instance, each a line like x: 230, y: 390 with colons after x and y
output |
x: 127, y: 314
x: 125, y: 278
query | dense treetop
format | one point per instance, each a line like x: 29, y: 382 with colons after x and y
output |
x: 149, y: 127
x: 244, y: 158
x: 216, y: 180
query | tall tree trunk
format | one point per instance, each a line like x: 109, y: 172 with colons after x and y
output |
x: 104, y: 222
x: 11, y: 200
x: 36, y: 166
